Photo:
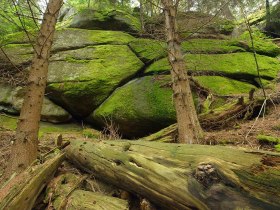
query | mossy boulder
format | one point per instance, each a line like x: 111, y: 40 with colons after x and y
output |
x: 235, y: 65
x: 224, y: 86
x: 85, y: 66
x: 80, y: 80
x: 11, y: 100
x: 263, y: 45
x: 140, y: 107
x: 150, y: 50
x: 116, y: 20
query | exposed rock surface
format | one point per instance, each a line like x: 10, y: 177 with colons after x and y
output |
x: 103, y: 75
x: 11, y: 100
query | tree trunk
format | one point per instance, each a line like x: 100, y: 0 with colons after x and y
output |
x: 142, y: 17
x: 268, y: 16
x: 80, y: 199
x: 21, y: 192
x: 188, y: 124
x: 180, y: 176
x: 24, y: 150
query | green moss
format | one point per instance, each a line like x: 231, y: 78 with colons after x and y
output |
x: 87, y: 76
x: 263, y: 139
x: 90, y: 133
x: 20, y: 37
x: 17, y: 53
x: 223, y: 86
x: 210, y: 46
x: 73, y: 38
x: 262, y: 44
x: 10, y: 122
x: 277, y: 147
x: 109, y: 19
x: 149, y: 50
x: 144, y: 104
x: 235, y: 64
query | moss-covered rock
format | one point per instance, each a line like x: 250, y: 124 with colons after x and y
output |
x: 262, y: 44
x: 11, y: 100
x: 140, y: 107
x: 237, y: 65
x: 76, y: 38
x: 20, y: 51
x: 224, y: 86
x: 116, y: 20
x: 210, y: 46
x: 80, y: 80
x: 150, y: 50
x: 70, y: 38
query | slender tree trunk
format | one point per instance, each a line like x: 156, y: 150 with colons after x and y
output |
x: 142, y: 17
x: 268, y: 18
x: 188, y: 125
x: 25, y: 145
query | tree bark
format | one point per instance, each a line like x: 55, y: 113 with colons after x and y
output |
x: 268, y: 15
x: 21, y: 192
x: 24, y: 149
x: 188, y: 125
x: 179, y: 176
x: 80, y: 199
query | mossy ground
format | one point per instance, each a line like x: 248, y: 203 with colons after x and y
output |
x: 9, y: 122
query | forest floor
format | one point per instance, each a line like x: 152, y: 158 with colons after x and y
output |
x: 244, y: 133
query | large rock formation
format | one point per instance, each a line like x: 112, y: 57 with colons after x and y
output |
x: 99, y: 75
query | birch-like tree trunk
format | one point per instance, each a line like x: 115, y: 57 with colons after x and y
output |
x: 188, y: 125
x: 25, y: 145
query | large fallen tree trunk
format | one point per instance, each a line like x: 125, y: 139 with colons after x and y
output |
x: 63, y: 192
x: 80, y: 199
x: 22, y: 191
x: 176, y: 176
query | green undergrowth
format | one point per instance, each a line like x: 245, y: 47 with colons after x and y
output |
x: 224, y: 64
x: 264, y: 139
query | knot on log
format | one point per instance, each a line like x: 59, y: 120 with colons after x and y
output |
x: 206, y: 174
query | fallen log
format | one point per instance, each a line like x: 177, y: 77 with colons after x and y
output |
x: 22, y: 191
x: 175, y: 176
x: 81, y: 199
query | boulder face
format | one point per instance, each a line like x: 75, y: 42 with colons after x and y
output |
x: 101, y: 76
x: 115, y: 20
x: 142, y: 106
x: 84, y: 67
x: 11, y: 100
x: 80, y: 80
